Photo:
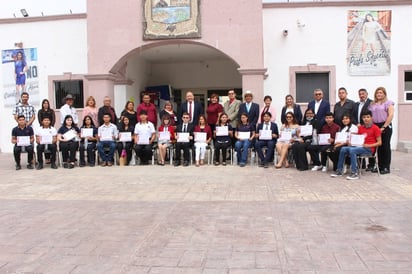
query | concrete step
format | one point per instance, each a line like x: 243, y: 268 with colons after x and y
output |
x: 405, y: 146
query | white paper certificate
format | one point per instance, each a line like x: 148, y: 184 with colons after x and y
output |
x: 86, y: 132
x: 46, y: 139
x: 324, y: 138
x: 143, y: 139
x: 164, y: 136
x: 200, y: 137
x: 222, y: 131
x: 265, y: 134
x: 243, y: 135
x: 183, y: 137
x: 71, y: 134
x: 341, y: 137
x: 125, y: 136
x: 285, y: 136
x: 23, y: 141
x: 357, y: 140
x: 106, y: 134
x: 306, y: 130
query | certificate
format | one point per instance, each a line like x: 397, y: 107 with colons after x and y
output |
x: 357, y: 140
x: 341, y: 137
x: 46, y: 139
x: 125, y: 136
x: 23, y: 141
x: 324, y: 138
x: 143, y: 139
x: 106, y: 135
x: 285, y: 136
x: 243, y: 135
x: 200, y: 137
x: 69, y: 135
x: 222, y: 131
x: 265, y: 134
x: 164, y: 136
x: 183, y: 137
x: 86, y: 132
x: 306, y: 130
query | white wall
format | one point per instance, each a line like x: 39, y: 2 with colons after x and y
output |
x: 61, y: 47
x: 323, y: 41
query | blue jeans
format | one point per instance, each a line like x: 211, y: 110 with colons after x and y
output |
x: 242, y: 147
x: 353, y: 152
x: 110, y: 154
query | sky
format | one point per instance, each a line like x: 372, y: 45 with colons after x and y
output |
x: 9, y: 8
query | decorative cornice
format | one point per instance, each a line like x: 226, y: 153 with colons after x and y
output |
x: 338, y: 3
x: 109, y: 77
x: 43, y: 18
x: 261, y: 71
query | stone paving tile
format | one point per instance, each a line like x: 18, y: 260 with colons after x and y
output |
x: 222, y: 220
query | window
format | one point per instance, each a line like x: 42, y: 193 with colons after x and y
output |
x: 306, y: 83
x: 408, y: 86
x: 73, y: 87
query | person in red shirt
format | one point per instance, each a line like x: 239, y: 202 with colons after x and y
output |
x: 150, y: 108
x: 213, y: 111
x: 372, y: 140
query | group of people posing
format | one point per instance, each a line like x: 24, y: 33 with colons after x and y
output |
x: 351, y: 129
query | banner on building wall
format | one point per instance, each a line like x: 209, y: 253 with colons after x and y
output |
x: 19, y: 69
x: 171, y: 19
x: 369, y: 42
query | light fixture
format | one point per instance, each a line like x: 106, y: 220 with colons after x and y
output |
x: 24, y: 13
x: 285, y: 32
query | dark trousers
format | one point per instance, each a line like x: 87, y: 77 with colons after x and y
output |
x: 334, y: 157
x: 51, y: 150
x: 299, y: 154
x: 17, y: 153
x: 314, y: 151
x: 221, y: 147
x: 68, y: 150
x: 270, y: 146
x: 126, y: 146
x: 384, y: 151
x: 144, y: 152
x: 91, y: 156
x: 186, y: 151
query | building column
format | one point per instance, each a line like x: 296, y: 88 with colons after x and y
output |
x: 253, y: 80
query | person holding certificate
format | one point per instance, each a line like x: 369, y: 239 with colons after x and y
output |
x: 289, y: 133
x: 203, y: 136
x: 223, y: 138
x: 325, y: 141
x: 372, y: 139
x: 125, y: 143
x: 184, y: 138
x: 68, y: 141
x: 245, y: 133
x: 22, y: 137
x: 267, y: 133
x: 46, y: 138
x: 166, y: 136
x: 144, y: 136
x: 88, y: 140
x: 342, y: 139
x: 107, y: 134
x: 309, y: 125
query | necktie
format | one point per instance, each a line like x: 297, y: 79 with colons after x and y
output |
x: 267, y: 127
x: 247, y: 107
x: 184, y: 128
x: 190, y: 110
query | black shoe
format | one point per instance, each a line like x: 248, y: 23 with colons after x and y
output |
x: 39, y: 166
x: 18, y: 166
x: 177, y: 163
x: 374, y: 170
x: 91, y: 164
x: 53, y: 166
x: 65, y: 165
x: 71, y: 165
x: 369, y: 168
x: 385, y: 171
x: 265, y: 165
x: 82, y: 164
x: 185, y: 163
x: 29, y: 166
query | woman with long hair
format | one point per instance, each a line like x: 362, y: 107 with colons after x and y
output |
x: 283, y: 145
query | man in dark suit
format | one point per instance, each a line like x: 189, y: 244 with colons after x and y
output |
x: 107, y: 108
x: 184, y: 127
x: 266, y: 141
x: 250, y: 108
x: 320, y: 106
x: 361, y: 106
x: 192, y: 107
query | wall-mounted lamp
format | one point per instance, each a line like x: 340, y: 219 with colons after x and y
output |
x: 285, y: 32
x: 300, y: 23
x: 24, y: 13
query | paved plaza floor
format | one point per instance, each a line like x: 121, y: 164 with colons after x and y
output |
x: 209, y: 219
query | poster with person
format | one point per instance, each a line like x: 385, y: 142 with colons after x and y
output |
x: 20, y: 73
x: 369, y: 42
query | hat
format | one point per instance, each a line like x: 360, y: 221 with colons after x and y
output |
x: 68, y: 96
x: 248, y: 92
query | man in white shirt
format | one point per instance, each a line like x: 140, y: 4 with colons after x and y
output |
x: 107, y: 134
x: 46, y: 138
x: 68, y: 109
x: 144, y: 135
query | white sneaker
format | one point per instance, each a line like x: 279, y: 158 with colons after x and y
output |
x: 324, y: 169
x: 316, y: 168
